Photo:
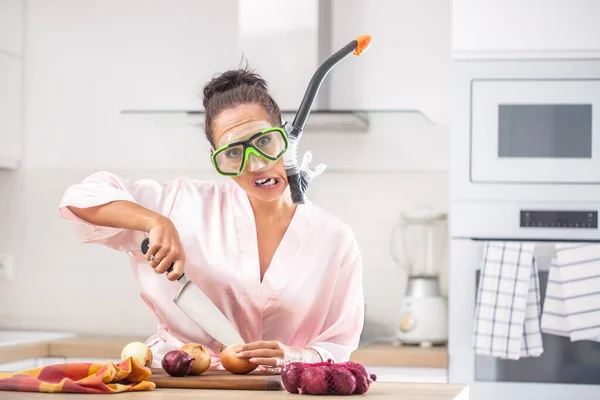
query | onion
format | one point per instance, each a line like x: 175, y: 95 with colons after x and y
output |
x: 290, y: 376
x: 200, y: 357
x: 313, y: 380
x: 232, y: 363
x: 363, y: 378
x: 177, y: 363
x: 139, y: 352
x: 342, y: 380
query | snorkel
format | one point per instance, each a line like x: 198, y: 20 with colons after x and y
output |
x: 299, y: 179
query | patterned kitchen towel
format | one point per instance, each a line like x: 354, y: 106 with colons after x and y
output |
x: 507, y: 313
x: 126, y: 376
x: 572, y: 303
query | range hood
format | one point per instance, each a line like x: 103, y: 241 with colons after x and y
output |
x: 319, y: 120
x: 325, y: 116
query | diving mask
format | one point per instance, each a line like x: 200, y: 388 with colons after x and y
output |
x: 253, y: 152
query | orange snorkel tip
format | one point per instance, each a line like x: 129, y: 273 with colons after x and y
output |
x: 364, y: 41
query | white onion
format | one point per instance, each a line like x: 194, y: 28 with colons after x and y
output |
x: 139, y: 352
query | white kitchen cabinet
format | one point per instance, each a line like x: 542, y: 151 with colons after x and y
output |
x: 11, y: 27
x: 496, y: 29
x: 11, y: 115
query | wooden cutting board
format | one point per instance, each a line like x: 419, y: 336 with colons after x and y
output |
x: 217, y: 380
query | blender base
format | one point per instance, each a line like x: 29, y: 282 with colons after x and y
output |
x: 423, y: 315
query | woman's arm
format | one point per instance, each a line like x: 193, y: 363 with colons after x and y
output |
x: 109, y: 210
x: 122, y: 214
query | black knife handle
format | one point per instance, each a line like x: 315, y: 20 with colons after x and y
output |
x: 146, y: 246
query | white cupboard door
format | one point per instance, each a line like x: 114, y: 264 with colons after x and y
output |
x: 10, y: 110
x: 525, y: 29
x: 11, y: 27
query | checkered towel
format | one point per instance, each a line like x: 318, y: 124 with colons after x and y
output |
x: 507, y: 314
x: 572, y: 303
x: 127, y: 376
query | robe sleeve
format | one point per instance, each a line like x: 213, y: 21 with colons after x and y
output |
x: 104, y: 187
x: 344, y: 323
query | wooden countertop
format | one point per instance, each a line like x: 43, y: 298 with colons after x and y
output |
x: 387, y: 354
x: 380, y: 391
x: 379, y: 354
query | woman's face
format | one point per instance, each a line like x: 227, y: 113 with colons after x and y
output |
x: 262, y: 179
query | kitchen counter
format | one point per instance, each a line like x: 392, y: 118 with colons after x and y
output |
x: 109, y: 347
x: 380, y: 391
x: 401, y: 356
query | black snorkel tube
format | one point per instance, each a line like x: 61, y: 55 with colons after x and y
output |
x: 297, y: 179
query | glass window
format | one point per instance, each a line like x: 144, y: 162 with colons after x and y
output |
x: 545, y: 130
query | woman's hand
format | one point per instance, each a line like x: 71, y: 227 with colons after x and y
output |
x: 165, y: 248
x: 270, y: 356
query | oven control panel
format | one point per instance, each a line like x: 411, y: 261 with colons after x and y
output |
x: 559, y: 219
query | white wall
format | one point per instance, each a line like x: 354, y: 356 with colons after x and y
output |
x: 88, y: 59
x: 408, y: 63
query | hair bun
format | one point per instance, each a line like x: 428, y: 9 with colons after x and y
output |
x: 230, y: 80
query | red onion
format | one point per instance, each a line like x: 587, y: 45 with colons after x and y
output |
x: 177, y: 363
x: 363, y: 379
x: 314, y: 379
x: 342, y: 380
x: 290, y: 376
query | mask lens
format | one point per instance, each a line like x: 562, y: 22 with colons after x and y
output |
x: 229, y: 161
x: 255, y: 162
x: 270, y: 144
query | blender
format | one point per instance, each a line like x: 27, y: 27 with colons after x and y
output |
x: 419, y: 243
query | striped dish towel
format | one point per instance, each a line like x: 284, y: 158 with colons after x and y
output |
x: 95, y: 378
x: 507, y: 314
x: 572, y: 303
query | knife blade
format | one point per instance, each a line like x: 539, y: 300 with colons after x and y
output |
x: 196, y: 305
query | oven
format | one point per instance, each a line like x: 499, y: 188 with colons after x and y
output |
x: 525, y: 166
x: 565, y: 370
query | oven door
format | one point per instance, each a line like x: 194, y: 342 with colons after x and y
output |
x: 535, y: 131
x: 565, y: 370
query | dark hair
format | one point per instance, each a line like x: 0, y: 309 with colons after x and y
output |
x: 233, y: 88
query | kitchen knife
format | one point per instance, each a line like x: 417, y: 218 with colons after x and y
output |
x: 192, y: 301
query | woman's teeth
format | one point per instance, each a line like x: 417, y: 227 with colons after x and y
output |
x: 266, y: 182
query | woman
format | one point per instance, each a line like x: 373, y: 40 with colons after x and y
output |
x: 287, y: 277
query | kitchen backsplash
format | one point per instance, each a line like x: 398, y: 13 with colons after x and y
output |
x: 60, y: 284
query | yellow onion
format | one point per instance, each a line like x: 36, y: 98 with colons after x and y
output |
x: 139, y: 352
x: 200, y: 356
x: 232, y: 363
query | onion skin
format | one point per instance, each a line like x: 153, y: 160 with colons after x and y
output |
x: 314, y: 380
x: 290, y: 376
x: 232, y: 363
x: 363, y: 378
x: 342, y: 381
x: 139, y: 352
x: 200, y: 357
x: 177, y: 363
x: 326, y: 378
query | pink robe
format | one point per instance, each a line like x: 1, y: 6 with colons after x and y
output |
x: 310, y: 296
